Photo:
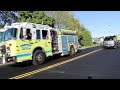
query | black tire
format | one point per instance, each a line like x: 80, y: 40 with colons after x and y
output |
x: 72, y: 51
x: 38, y: 57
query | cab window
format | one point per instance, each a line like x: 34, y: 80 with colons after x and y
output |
x: 10, y: 34
x: 45, y: 34
x: 21, y: 33
x: 38, y: 34
x: 28, y: 33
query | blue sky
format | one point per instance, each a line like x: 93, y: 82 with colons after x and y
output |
x: 100, y: 23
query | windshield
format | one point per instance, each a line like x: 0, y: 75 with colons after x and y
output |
x: 108, y: 39
x: 10, y: 34
x: 1, y: 36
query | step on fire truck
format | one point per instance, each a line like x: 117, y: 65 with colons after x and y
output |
x: 29, y: 41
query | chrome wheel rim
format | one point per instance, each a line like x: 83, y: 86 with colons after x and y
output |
x: 39, y: 57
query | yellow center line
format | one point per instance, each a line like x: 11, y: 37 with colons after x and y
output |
x: 51, y: 66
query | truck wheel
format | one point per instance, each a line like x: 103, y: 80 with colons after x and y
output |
x: 72, y: 51
x: 38, y: 57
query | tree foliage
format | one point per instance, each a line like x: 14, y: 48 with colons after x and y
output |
x: 7, y: 17
x: 86, y: 38
x: 66, y: 20
x: 61, y: 17
x: 36, y: 17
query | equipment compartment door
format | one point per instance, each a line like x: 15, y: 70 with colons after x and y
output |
x: 64, y: 43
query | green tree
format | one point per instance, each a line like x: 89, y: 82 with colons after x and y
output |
x: 38, y: 17
x: 7, y: 17
x: 66, y: 20
x: 86, y: 38
x: 61, y: 17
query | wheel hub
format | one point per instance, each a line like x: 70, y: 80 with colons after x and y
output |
x: 39, y: 57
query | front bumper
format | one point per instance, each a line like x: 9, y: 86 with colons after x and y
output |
x: 10, y: 59
x: 109, y: 45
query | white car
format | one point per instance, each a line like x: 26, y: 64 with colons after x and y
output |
x: 110, y: 42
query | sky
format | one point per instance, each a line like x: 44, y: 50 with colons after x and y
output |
x: 100, y: 23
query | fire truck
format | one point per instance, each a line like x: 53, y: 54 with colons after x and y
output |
x: 29, y: 41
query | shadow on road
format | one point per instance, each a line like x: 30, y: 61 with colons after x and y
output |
x: 22, y: 64
x: 29, y: 63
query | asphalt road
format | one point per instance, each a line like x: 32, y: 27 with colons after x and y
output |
x: 104, y: 64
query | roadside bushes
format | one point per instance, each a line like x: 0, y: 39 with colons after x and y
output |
x: 86, y: 38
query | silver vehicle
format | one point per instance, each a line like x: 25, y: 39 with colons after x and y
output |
x: 110, y: 42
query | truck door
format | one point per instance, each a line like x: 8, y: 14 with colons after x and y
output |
x: 24, y: 46
x: 64, y: 43
x: 46, y: 39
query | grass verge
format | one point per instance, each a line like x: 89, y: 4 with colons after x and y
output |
x: 91, y: 46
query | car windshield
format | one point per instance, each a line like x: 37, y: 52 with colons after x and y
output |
x: 10, y: 34
x: 1, y: 36
x: 108, y: 39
